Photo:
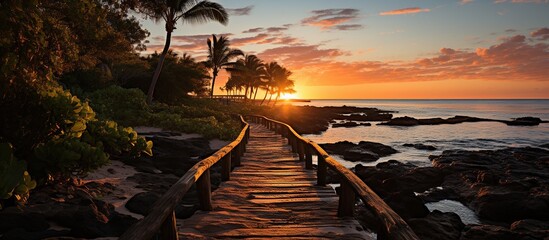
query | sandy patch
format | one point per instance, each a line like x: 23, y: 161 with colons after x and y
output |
x: 124, y: 188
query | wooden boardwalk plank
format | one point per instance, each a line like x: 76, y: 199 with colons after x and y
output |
x: 271, y: 196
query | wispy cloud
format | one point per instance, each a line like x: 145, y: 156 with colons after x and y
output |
x: 240, y: 11
x: 522, y: 1
x: 514, y: 57
x: 463, y: 2
x: 402, y: 11
x: 541, y: 34
x: 346, y: 27
x: 332, y: 18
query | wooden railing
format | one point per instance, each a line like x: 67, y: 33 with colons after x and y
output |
x: 390, y: 224
x: 161, y: 222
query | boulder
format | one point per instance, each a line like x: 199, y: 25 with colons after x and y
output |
x: 407, y: 205
x: 402, y: 121
x: 431, y: 121
x: 363, y: 151
x: 31, y: 222
x: 437, y: 225
x: 420, y: 146
x: 488, y: 232
x: 524, y: 121
x: 141, y: 203
x: 350, y: 124
x: 532, y: 228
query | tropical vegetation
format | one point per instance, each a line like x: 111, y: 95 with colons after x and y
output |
x: 219, y: 56
x: 73, y: 80
x: 171, y: 11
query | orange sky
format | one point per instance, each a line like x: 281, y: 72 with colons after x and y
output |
x: 400, y: 49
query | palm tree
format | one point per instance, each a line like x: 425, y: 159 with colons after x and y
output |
x: 283, y: 83
x: 219, y: 56
x: 171, y: 11
x: 250, y: 70
x: 272, y: 70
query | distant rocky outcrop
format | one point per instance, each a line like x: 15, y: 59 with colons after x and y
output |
x: 364, y: 151
x: 410, y: 121
x: 349, y: 124
x: 420, y: 146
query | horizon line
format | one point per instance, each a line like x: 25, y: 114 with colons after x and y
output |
x: 433, y: 99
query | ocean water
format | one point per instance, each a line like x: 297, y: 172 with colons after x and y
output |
x: 467, y: 136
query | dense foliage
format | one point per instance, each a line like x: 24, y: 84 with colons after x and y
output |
x: 181, y: 77
x: 45, y: 131
x: 128, y: 107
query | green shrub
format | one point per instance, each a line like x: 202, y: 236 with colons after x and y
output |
x: 125, y: 106
x: 15, y: 181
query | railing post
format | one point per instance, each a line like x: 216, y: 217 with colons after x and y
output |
x: 226, y: 167
x: 308, y: 157
x: 236, y: 155
x: 346, y: 200
x: 168, y: 230
x: 321, y: 171
x: 300, y: 149
x: 293, y: 142
x: 204, y: 191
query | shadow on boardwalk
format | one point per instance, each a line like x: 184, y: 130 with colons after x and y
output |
x: 271, y: 196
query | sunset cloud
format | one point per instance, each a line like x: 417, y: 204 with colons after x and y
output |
x: 463, y: 2
x: 402, y: 11
x: 346, y: 27
x: 513, y: 58
x: 522, y: 1
x: 240, y: 11
x: 331, y: 18
x: 542, y: 34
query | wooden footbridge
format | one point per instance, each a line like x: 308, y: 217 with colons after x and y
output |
x: 270, y: 190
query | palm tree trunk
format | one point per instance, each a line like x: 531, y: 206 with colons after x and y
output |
x: 265, y: 97
x: 276, y: 99
x: 159, y: 67
x: 256, y: 90
x: 213, y: 82
x: 270, y: 98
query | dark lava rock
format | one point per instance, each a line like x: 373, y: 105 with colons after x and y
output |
x: 525, y: 121
x: 394, y: 176
x: 544, y: 145
x: 503, y: 205
x: 437, y: 225
x: 503, y: 185
x: 350, y: 124
x: 462, y: 119
x: 31, y: 222
x: 532, y: 228
x: 141, y: 203
x: 402, y: 121
x: 314, y: 120
x: 172, y: 155
x: 157, y: 183
x: 489, y: 232
x: 407, y: 205
x: 363, y: 151
x: 431, y: 121
x: 22, y: 234
x: 371, y: 116
x: 421, y: 146
x: 94, y: 220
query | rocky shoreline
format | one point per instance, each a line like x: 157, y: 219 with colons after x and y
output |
x: 507, y: 188
x: 114, y: 197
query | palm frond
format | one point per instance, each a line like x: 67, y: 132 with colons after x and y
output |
x: 205, y: 11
